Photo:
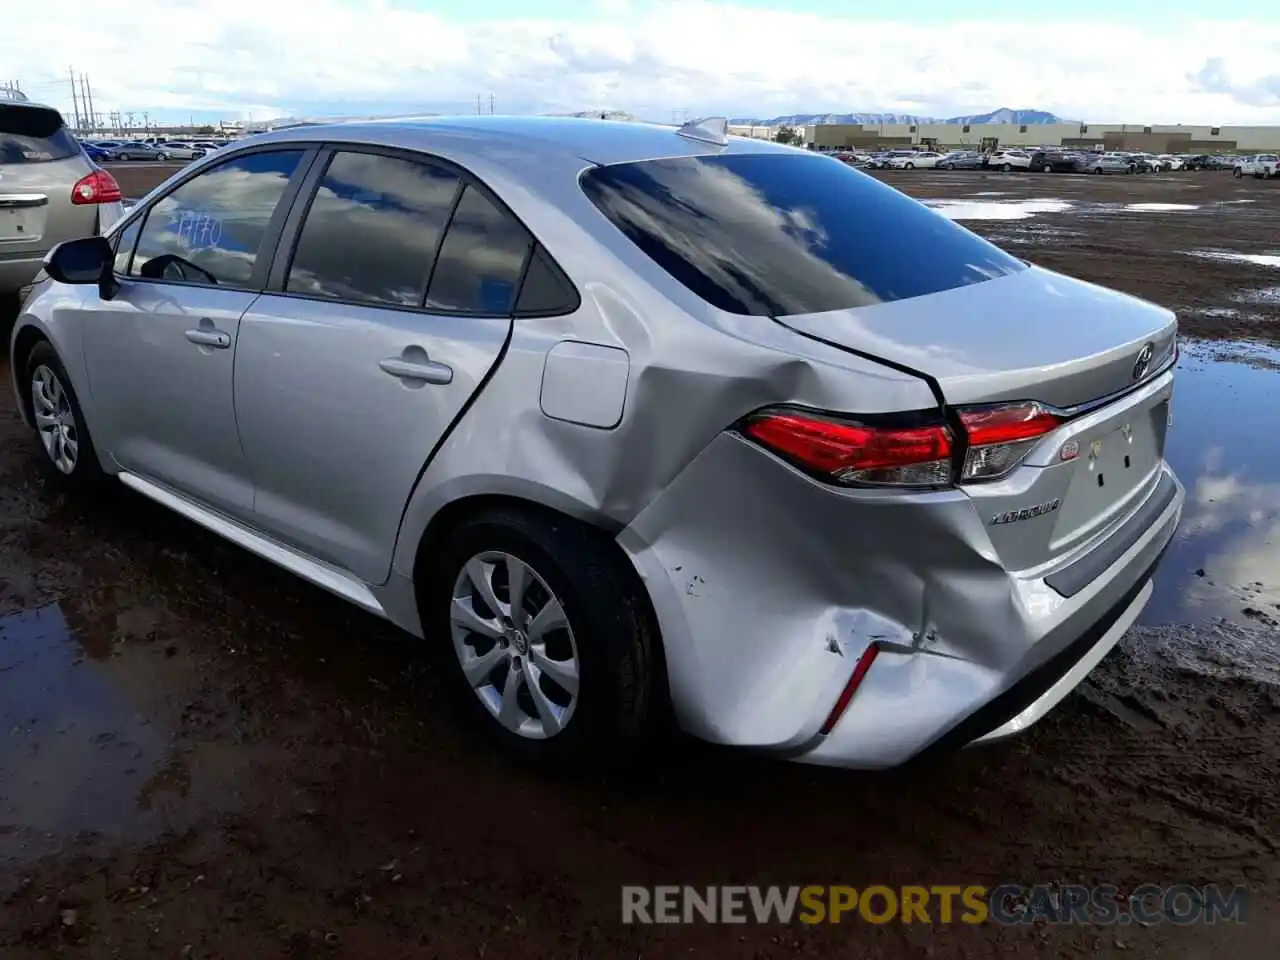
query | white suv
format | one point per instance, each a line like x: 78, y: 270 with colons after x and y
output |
x: 1261, y: 165
x: 1008, y: 160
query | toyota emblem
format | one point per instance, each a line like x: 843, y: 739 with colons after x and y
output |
x: 1143, y: 363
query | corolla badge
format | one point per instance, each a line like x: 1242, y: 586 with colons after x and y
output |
x: 1143, y: 363
x: 1027, y: 513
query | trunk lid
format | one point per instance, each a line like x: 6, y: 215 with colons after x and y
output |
x: 1040, y: 336
x: 40, y: 163
x: 1032, y: 335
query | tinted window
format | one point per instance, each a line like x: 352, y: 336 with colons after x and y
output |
x: 778, y: 235
x: 125, y: 242
x: 33, y: 135
x: 545, y: 289
x: 480, y: 260
x: 210, y: 229
x: 372, y: 230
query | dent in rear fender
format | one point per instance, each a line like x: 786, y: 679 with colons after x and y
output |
x: 686, y: 382
x: 768, y: 586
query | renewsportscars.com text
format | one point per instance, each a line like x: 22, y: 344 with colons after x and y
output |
x: 938, y: 904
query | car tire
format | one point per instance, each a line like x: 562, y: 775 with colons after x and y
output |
x: 908, y: 166
x: 1097, y: 171
x: 605, y: 632
x: 162, y: 156
x: 1006, y: 168
x: 67, y: 451
x: 1237, y: 172
x: 948, y: 166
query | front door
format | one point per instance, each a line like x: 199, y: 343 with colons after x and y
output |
x: 160, y: 354
x: 349, y: 374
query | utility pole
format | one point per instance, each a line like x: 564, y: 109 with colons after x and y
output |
x: 75, y: 104
x: 491, y: 102
x: 87, y: 91
x: 477, y: 103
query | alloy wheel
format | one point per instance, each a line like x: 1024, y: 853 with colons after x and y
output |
x: 515, y: 645
x: 55, y: 420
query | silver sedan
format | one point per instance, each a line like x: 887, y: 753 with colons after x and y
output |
x: 630, y: 418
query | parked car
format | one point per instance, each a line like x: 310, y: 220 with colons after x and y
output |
x: 523, y: 408
x: 1260, y: 165
x: 960, y: 160
x: 1109, y: 163
x: 1198, y: 161
x: 924, y: 159
x: 94, y: 152
x: 1010, y: 160
x: 137, y: 150
x: 1054, y: 161
x: 49, y: 190
x: 882, y: 160
x: 180, y: 150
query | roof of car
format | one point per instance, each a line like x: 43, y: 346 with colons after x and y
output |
x: 599, y: 141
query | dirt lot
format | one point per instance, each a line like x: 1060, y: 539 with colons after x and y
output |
x: 201, y: 756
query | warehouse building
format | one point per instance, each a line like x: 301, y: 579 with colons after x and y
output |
x: 1150, y: 138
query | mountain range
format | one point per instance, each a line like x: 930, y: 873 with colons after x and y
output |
x: 1003, y: 115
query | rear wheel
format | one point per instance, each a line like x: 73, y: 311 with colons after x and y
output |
x: 554, y: 650
x: 69, y: 457
x: 1007, y: 168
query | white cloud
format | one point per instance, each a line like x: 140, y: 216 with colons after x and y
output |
x: 274, y: 57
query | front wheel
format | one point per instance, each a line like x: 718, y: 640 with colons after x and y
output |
x: 909, y: 166
x: 555, y: 653
x: 1237, y: 173
x: 69, y: 457
x: 1007, y: 168
x: 949, y: 166
x: 162, y: 156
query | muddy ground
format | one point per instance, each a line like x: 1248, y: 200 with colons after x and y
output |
x: 201, y: 756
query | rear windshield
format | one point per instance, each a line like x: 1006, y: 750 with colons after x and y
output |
x: 779, y: 235
x: 33, y: 135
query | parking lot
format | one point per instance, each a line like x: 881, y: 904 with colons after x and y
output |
x: 205, y: 757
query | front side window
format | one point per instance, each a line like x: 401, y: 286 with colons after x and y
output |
x: 481, y: 259
x: 779, y: 235
x: 210, y: 230
x: 372, y: 230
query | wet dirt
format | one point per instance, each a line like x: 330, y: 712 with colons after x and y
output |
x: 1135, y: 233
x: 201, y: 756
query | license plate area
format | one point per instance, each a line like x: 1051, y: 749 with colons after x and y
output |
x: 1115, y: 460
x: 22, y: 219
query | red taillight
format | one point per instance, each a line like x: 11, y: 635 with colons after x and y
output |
x: 857, y: 453
x: 1000, y: 436
x: 855, y: 680
x: 97, y: 187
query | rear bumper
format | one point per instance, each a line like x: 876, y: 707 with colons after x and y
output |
x: 17, y: 273
x: 768, y: 588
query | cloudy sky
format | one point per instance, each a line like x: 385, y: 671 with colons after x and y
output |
x: 1155, y: 61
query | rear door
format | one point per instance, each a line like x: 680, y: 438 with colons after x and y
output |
x: 381, y: 322
x: 40, y: 163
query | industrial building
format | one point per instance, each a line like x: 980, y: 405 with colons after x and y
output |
x: 1150, y: 138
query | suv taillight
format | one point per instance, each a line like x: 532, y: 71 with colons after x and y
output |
x: 892, y: 452
x: 97, y: 187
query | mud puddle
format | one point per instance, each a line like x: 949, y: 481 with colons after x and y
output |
x: 1224, y: 562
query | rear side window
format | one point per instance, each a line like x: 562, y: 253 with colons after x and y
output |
x: 774, y: 235
x: 33, y: 135
x: 481, y: 260
x: 372, y: 230
x: 210, y: 229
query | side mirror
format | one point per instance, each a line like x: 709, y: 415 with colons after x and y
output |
x: 83, y: 261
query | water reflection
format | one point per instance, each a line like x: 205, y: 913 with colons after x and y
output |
x: 75, y: 754
x: 1225, y: 559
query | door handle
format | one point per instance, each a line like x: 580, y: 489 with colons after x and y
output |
x: 429, y: 371
x: 209, y: 337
